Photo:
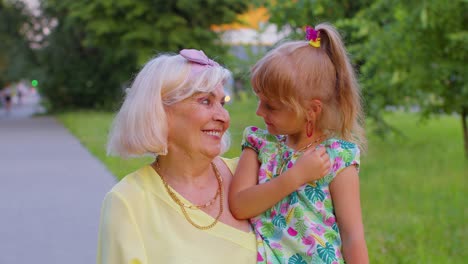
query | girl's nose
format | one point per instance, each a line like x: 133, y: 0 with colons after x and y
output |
x: 259, y: 110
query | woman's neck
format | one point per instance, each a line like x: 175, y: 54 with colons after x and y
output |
x: 182, y: 169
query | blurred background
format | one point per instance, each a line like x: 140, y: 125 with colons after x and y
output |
x: 72, y: 60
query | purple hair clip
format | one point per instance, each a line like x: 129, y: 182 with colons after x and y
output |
x: 198, y: 57
x: 313, y: 36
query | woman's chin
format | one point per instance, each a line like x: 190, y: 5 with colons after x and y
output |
x: 213, y: 152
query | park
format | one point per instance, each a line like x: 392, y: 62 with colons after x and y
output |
x: 411, y: 64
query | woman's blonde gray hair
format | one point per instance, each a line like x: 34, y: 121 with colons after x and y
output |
x: 140, y: 127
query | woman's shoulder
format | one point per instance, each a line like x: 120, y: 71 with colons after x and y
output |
x: 132, y: 185
x: 231, y: 163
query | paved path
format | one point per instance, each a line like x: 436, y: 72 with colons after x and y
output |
x: 51, y: 189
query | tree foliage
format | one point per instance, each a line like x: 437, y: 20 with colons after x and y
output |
x: 413, y: 54
x: 409, y: 54
x: 296, y: 14
x: 78, y: 76
x: 96, y: 45
x: 15, y: 53
x: 146, y: 26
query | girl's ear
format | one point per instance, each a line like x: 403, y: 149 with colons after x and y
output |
x: 314, y: 109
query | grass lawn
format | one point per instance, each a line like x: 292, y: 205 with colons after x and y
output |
x: 413, y: 187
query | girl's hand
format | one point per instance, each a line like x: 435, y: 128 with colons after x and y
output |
x: 312, y: 165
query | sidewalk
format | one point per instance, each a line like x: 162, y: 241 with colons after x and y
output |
x: 51, y: 190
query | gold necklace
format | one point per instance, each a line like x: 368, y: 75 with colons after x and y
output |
x: 193, y: 207
x: 183, y: 206
x: 296, y: 153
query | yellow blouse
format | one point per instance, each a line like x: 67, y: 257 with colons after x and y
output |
x: 141, y: 224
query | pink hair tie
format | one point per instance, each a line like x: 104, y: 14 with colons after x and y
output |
x: 313, y: 36
x: 198, y: 58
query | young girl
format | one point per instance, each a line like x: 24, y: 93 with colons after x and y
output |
x: 310, y: 101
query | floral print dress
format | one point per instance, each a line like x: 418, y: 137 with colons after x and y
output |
x: 301, y: 228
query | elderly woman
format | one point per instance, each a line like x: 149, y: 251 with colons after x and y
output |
x: 175, y: 209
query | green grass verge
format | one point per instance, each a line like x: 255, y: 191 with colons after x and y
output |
x: 413, y: 187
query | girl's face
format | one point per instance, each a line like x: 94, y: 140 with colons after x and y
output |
x: 197, y: 124
x: 279, y: 118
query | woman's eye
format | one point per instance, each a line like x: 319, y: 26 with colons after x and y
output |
x: 205, y: 101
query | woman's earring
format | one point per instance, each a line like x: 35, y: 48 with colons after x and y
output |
x: 309, y: 128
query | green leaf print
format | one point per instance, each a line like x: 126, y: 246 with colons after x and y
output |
x: 331, y: 236
x: 298, y: 212
x: 301, y: 228
x: 293, y: 198
x: 314, y: 194
x: 346, y: 155
x: 269, y: 148
x: 264, y: 159
x: 268, y: 229
x: 307, y: 258
x: 278, y: 253
x: 327, y: 203
x: 271, y: 138
x: 327, y: 253
x: 296, y: 259
x: 279, y: 221
x: 335, y: 227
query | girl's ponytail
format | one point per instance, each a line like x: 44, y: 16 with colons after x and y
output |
x: 347, y: 90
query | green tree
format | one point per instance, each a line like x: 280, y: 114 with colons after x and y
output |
x: 15, y: 52
x: 408, y: 53
x: 414, y: 54
x: 96, y: 45
x: 296, y: 14
x: 74, y: 75
x: 146, y: 26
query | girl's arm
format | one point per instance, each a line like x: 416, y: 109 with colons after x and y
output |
x: 344, y: 190
x: 248, y: 199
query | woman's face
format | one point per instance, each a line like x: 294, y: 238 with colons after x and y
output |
x: 197, y: 124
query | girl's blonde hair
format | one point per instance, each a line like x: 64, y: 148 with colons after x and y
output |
x: 140, y: 127
x: 295, y: 72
